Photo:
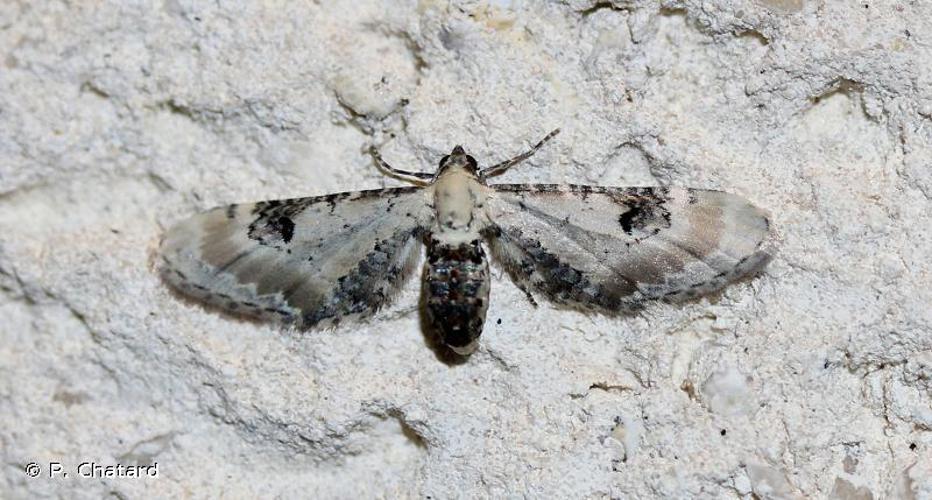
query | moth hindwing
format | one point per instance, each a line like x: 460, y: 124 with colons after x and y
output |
x: 314, y: 261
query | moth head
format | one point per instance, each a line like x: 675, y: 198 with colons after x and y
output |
x: 458, y: 159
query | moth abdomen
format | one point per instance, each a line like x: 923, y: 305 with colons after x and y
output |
x: 457, y: 290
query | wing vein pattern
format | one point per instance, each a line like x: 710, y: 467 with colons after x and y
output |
x: 304, y: 261
x: 610, y: 249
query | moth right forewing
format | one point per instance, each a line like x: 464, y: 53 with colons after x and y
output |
x: 305, y: 260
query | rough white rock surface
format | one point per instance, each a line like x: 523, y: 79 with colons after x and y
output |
x: 118, y: 119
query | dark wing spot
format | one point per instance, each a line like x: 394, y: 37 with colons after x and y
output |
x: 647, y: 215
x: 272, y: 230
x: 286, y: 227
x: 627, y: 218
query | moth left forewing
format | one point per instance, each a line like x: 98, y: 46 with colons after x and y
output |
x: 609, y: 249
x: 721, y: 237
x: 305, y: 261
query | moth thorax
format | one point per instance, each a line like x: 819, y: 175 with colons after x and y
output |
x: 457, y: 291
x: 456, y: 197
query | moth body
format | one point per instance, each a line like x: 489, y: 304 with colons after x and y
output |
x: 457, y: 277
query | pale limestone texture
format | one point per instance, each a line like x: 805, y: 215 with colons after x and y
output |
x: 118, y: 119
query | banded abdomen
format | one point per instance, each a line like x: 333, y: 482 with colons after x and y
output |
x: 457, y: 292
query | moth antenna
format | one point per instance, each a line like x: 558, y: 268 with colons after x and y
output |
x: 414, y: 177
x: 505, y: 165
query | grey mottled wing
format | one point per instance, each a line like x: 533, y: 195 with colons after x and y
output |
x: 302, y: 260
x: 609, y: 249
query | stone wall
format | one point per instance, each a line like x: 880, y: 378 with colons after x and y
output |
x: 118, y: 119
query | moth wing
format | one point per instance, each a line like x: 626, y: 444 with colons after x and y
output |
x: 609, y: 249
x: 302, y: 261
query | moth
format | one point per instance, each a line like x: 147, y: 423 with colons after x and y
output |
x: 316, y: 261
